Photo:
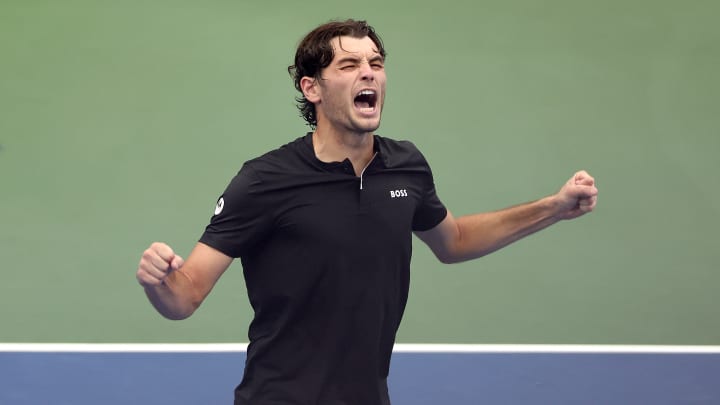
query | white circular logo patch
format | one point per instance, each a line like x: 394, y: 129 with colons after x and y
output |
x: 219, y: 206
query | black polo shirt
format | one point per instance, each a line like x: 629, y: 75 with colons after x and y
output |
x: 326, y: 260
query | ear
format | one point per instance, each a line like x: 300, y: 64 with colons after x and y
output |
x: 310, y: 88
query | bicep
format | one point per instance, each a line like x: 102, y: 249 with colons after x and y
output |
x: 441, y: 238
x: 204, y: 266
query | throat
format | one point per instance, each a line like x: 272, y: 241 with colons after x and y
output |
x: 358, y: 149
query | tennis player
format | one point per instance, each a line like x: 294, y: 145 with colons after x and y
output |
x: 323, y: 227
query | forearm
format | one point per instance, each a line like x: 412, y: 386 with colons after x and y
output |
x: 469, y: 237
x: 481, y: 234
x: 176, y: 298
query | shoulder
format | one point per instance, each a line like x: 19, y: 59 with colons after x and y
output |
x: 394, y: 146
x: 400, y: 153
x: 285, y: 157
x: 280, y: 168
x: 288, y: 160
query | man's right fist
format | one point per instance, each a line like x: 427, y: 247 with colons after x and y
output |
x: 157, y: 262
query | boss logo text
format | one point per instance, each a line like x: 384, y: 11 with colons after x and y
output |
x: 398, y: 193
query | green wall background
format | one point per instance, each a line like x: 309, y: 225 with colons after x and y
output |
x: 121, y: 122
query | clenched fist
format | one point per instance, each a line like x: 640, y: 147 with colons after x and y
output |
x: 157, y: 262
x: 577, y: 197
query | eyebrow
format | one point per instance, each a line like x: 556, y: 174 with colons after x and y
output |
x: 355, y: 59
x: 376, y: 58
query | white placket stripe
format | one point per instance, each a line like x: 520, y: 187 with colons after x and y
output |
x: 363, y: 170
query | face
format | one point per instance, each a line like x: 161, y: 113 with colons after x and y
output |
x: 350, y: 94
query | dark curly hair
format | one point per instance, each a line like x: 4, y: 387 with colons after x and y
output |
x: 315, y: 53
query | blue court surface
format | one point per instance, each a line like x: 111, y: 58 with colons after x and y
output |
x: 420, y: 374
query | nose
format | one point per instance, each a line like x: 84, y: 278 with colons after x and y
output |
x: 366, y: 71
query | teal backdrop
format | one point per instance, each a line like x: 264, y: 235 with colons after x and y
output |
x: 122, y: 122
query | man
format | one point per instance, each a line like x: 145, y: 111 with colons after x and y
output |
x: 323, y: 227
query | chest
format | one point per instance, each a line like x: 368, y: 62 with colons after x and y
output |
x: 341, y: 214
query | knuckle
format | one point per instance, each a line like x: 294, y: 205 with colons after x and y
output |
x: 142, y: 279
x: 160, y: 247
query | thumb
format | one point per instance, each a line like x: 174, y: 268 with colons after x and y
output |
x: 176, y: 263
x: 581, y: 191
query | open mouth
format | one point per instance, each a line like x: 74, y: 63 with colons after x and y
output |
x: 366, y: 100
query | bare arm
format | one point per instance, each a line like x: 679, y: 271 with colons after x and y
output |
x: 175, y: 287
x: 469, y: 237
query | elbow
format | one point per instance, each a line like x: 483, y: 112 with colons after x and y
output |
x: 446, y: 255
x: 454, y: 258
x: 447, y: 258
x: 177, y: 313
x: 174, y: 307
x: 176, y: 316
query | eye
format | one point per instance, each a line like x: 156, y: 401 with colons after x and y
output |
x: 347, y: 67
x: 378, y: 65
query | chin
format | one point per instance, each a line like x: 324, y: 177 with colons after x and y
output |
x: 367, y: 129
x: 368, y: 125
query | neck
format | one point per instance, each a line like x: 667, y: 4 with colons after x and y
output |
x: 331, y: 146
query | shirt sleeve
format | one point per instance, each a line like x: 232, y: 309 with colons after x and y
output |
x: 431, y: 210
x: 241, y: 217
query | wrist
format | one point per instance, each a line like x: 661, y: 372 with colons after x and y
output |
x: 553, y: 207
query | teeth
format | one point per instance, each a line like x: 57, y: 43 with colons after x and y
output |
x: 365, y: 101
